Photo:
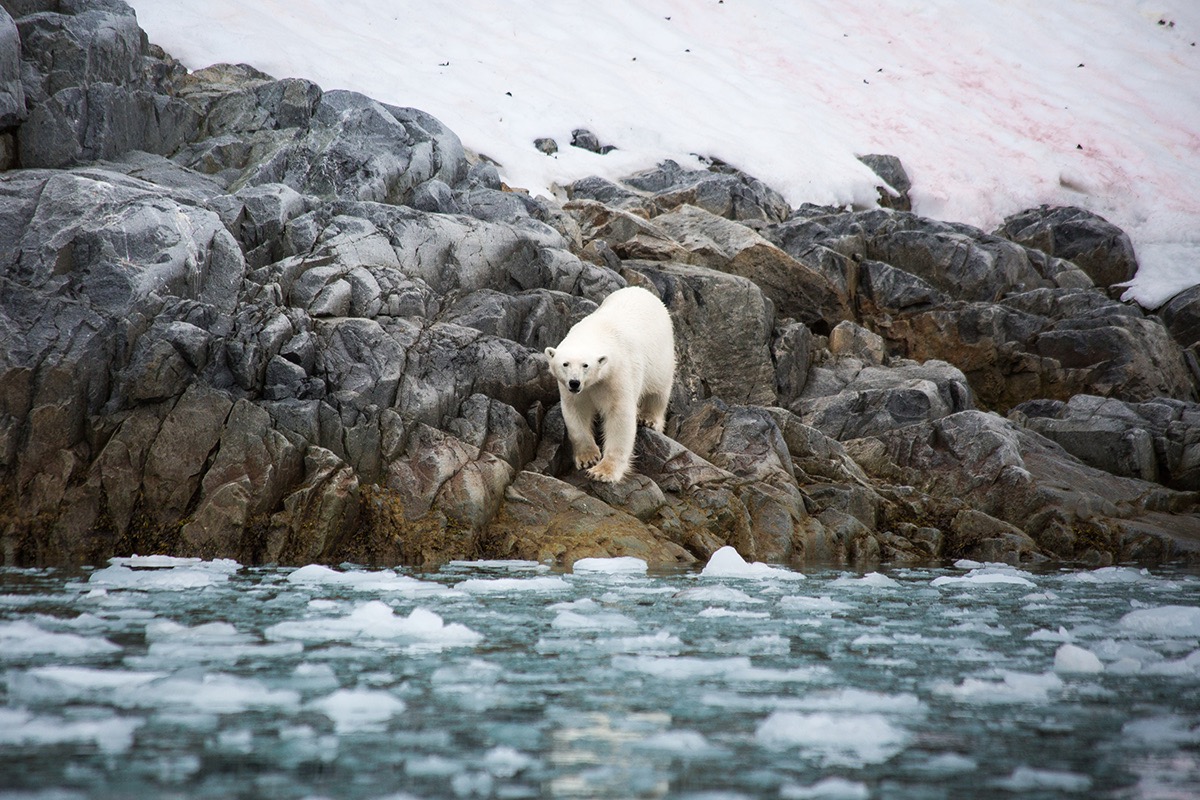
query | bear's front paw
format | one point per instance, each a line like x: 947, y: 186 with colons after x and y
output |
x: 585, y: 458
x: 608, y: 471
x: 653, y: 424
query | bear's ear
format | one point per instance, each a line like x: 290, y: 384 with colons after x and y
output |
x: 601, y: 360
x: 550, y: 353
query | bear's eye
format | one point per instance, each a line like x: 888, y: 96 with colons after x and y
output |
x: 566, y: 363
x: 585, y: 366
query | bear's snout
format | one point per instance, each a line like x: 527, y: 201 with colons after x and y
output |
x: 573, y: 385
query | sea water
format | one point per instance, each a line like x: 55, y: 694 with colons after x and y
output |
x: 177, y: 678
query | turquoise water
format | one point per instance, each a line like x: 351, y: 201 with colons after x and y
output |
x: 182, y: 679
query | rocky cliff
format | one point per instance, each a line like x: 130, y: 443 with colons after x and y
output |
x: 241, y: 316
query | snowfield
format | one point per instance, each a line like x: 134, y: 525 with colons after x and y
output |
x: 993, y: 106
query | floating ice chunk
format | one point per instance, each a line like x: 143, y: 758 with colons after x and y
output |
x: 164, y: 579
x: 842, y: 739
x: 1108, y: 575
x: 827, y: 789
x: 736, y: 668
x: 211, y: 633
x: 815, y: 605
x: 681, y: 743
x: 1071, y: 658
x: 948, y: 763
x: 717, y: 594
x: 59, y: 684
x: 1163, y: 732
x: 1028, y: 779
x: 503, y: 761
x: 1043, y: 635
x: 765, y: 644
x: 473, y: 671
x: 375, y: 621
x: 583, y: 605
x: 175, y: 644
x: 385, y: 580
x: 501, y: 565
x: 601, y: 621
x: 621, y: 565
x: 359, y: 709
x: 727, y: 563
x: 1183, y: 667
x: 684, y: 667
x: 1013, y: 687
x: 309, y: 677
x: 22, y: 640
x: 110, y: 734
x: 169, y: 562
x: 713, y: 612
x: 1165, y: 621
x: 513, y: 585
x: 661, y: 643
x: 872, y: 580
x: 861, y: 701
x: 984, y: 576
x: 214, y: 693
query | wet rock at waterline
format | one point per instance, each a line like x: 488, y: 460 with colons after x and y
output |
x: 245, y: 317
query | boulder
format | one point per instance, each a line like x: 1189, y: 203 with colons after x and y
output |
x: 12, y: 93
x: 1094, y: 244
x: 894, y: 191
x: 849, y: 398
x: 1069, y: 509
x: 543, y: 519
x: 717, y: 243
x: 1181, y: 315
x: 723, y: 328
x: 1155, y: 441
x: 1048, y: 343
x: 92, y: 96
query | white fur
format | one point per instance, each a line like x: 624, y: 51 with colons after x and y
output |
x: 622, y: 356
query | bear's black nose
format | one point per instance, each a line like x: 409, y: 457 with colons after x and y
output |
x: 573, y: 385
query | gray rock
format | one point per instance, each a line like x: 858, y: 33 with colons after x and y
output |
x: 586, y: 140
x: 1049, y: 343
x: 12, y: 93
x: 791, y: 351
x: 894, y: 192
x: 1181, y: 315
x: 1153, y: 441
x: 354, y: 148
x: 547, y: 520
x: 1098, y: 247
x: 1068, y: 508
x: 537, y: 318
x: 721, y: 190
x: 102, y: 121
x: 723, y: 326
x: 849, y: 398
x: 796, y: 290
x: 546, y: 145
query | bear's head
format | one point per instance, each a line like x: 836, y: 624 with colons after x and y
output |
x: 575, y: 369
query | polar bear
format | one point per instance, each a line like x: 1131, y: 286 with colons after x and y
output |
x: 618, y: 362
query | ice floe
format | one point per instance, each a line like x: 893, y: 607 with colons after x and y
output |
x: 726, y: 562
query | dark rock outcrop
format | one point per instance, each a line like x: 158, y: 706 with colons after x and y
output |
x: 1089, y: 241
x: 241, y: 316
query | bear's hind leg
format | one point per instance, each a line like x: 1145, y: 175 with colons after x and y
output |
x: 652, y: 411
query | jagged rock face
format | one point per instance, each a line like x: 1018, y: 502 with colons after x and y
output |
x: 1094, y: 244
x: 241, y: 316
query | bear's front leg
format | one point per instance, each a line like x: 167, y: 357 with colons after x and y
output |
x: 578, y: 414
x: 620, y: 430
